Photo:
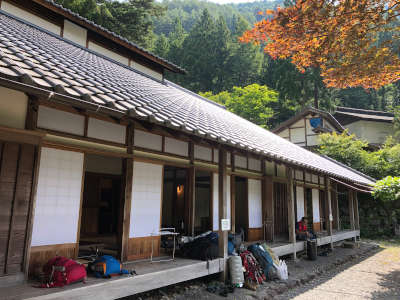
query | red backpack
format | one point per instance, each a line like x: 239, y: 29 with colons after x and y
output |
x: 62, y: 271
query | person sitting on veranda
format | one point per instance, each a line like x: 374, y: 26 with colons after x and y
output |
x: 301, y: 231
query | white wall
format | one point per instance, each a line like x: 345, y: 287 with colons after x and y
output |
x: 54, y: 119
x: 107, y: 131
x: 240, y: 161
x: 297, y: 135
x: 74, y: 33
x: 203, y: 153
x: 58, y: 197
x: 315, y: 204
x: 13, y: 108
x: 177, y: 147
x: 23, y: 14
x: 300, y: 202
x: 255, y: 203
x: 373, y: 132
x: 216, y: 220
x: 111, y: 54
x: 147, y: 140
x: 146, y: 199
x: 147, y: 71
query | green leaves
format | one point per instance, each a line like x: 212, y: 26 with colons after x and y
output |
x: 254, y: 102
x: 387, y: 189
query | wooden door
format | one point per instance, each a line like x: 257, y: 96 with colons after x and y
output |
x: 281, y: 227
x: 16, y: 177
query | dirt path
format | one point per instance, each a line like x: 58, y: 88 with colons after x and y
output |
x: 377, y: 277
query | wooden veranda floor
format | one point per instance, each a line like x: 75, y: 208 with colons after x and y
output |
x: 150, y: 276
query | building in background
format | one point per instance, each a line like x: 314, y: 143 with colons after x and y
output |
x: 369, y: 125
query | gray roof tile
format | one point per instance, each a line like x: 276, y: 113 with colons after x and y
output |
x: 79, y: 73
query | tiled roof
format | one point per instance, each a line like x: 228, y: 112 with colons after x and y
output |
x: 90, y: 24
x: 38, y: 58
x: 363, y: 114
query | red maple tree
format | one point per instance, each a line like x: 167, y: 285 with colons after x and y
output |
x: 343, y: 38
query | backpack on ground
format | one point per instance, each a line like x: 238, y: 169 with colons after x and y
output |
x: 106, y: 266
x: 62, y: 271
x: 263, y: 258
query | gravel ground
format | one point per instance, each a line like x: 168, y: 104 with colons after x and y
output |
x: 367, y: 272
x: 376, y: 277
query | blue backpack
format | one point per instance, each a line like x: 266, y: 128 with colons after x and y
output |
x: 106, y: 266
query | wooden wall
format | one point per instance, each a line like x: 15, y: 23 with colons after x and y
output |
x: 255, y: 234
x: 140, y: 247
x: 16, y: 177
x: 41, y: 254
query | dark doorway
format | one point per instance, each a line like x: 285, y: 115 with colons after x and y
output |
x: 101, y: 225
x: 203, y: 202
x: 281, y: 211
x: 175, y: 210
x: 241, y: 206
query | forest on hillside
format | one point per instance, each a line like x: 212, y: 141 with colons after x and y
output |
x: 202, y: 37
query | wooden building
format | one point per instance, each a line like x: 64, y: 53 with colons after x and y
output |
x: 97, y: 147
x: 369, y: 125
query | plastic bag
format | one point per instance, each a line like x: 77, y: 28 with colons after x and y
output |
x: 281, y: 270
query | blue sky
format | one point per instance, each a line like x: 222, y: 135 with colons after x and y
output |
x: 230, y: 1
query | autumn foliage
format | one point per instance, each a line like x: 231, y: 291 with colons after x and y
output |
x: 345, y: 39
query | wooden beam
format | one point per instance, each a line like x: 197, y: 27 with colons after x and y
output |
x: 223, y: 208
x: 291, y: 214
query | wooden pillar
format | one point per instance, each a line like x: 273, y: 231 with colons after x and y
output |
x: 291, y: 214
x: 351, y: 208
x: 223, y: 209
x: 127, y: 208
x: 356, y: 212
x: 191, y: 190
x: 233, y: 207
x: 128, y: 180
x: 335, y: 207
x: 328, y: 208
x: 267, y: 205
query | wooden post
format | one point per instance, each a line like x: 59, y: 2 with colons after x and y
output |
x: 267, y: 205
x: 291, y: 214
x: 328, y: 208
x: 335, y: 207
x: 233, y: 202
x: 223, y: 209
x: 351, y: 208
x: 191, y: 190
x: 356, y: 212
x: 192, y: 198
x: 128, y: 180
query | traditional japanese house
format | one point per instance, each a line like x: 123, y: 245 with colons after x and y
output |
x: 97, y: 147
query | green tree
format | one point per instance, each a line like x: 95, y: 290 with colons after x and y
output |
x: 253, y: 102
x: 161, y: 47
x: 132, y: 18
x: 378, y: 164
x: 245, y: 62
x: 199, y: 49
